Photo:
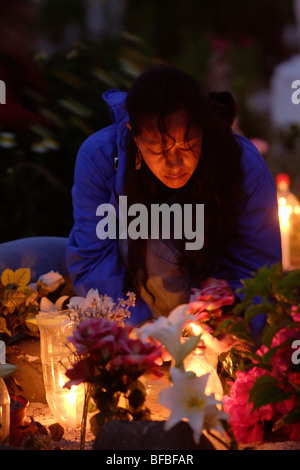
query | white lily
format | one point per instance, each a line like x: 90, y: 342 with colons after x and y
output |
x: 92, y: 299
x: 46, y: 306
x: 168, y: 331
x: 187, y: 401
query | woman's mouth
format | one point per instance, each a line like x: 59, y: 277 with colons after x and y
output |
x: 175, y: 177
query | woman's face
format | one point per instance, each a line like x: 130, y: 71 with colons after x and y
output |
x: 173, y: 161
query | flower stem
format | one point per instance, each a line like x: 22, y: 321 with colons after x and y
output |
x: 218, y: 439
x: 87, y: 395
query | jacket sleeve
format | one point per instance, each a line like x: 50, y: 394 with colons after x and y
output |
x: 92, y: 262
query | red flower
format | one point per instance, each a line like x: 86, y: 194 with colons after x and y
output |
x: 214, y: 293
x: 105, y: 344
x: 82, y: 371
x: 97, y: 333
x: 247, y: 424
x: 135, y: 352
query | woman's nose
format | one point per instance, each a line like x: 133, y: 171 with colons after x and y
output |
x: 174, y: 158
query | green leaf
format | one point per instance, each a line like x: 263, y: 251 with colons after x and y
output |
x: 266, y: 391
x: 97, y: 422
x: 292, y: 416
x: 257, y: 309
x: 240, y: 331
x: 268, y: 334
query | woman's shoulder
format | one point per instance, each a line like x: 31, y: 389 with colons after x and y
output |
x: 251, y: 159
x: 256, y: 171
x: 97, y: 152
x: 102, y: 141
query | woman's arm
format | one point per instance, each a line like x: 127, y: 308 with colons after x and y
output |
x: 95, y: 263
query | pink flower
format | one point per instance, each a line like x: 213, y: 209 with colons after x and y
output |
x: 102, y: 343
x: 97, y: 333
x: 135, y: 352
x: 247, y: 424
x: 295, y: 313
x: 82, y: 371
x: 214, y: 293
x: 281, y: 360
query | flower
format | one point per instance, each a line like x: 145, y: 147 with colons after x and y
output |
x: 95, y: 333
x: 168, y: 331
x: 95, y: 305
x: 187, y: 401
x: 47, y: 306
x: 247, y: 424
x: 295, y: 313
x: 50, y: 281
x: 104, y: 343
x: 214, y: 293
x: 92, y: 299
x: 281, y: 360
x: 135, y: 352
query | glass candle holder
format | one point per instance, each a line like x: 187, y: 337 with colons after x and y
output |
x: 57, y: 356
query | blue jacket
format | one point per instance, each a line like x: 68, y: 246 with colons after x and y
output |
x: 93, y: 263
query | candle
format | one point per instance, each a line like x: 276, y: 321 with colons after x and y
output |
x: 67, y: 405
x: 197, y: 363
x: 284, y: 212
x: 204, y: 359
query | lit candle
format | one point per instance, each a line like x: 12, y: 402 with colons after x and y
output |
x: 67, y: 405
x: 197, y: 363
x: 284, y: 212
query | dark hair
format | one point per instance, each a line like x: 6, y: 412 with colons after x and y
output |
x: 216, y: 182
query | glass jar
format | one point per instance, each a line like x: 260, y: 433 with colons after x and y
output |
x: 56, y: 356
x: 4, y: 413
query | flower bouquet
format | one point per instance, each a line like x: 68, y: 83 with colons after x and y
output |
x: 263, y: 377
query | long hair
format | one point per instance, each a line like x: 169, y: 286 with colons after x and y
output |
x: 216, y: 182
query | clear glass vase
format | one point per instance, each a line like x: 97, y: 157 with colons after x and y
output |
x: 57, y: 356
x: 4, y: 413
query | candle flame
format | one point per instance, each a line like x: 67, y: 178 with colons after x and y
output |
x: 196, y: 329
x: 284, y: 211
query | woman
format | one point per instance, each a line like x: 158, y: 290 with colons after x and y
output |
x: 172, y: 143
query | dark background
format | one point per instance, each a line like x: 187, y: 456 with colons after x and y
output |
x: 57, y: 57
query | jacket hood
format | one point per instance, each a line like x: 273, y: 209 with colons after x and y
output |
x: 116, y: 103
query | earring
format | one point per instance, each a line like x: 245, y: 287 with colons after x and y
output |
x: 138, y: 160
